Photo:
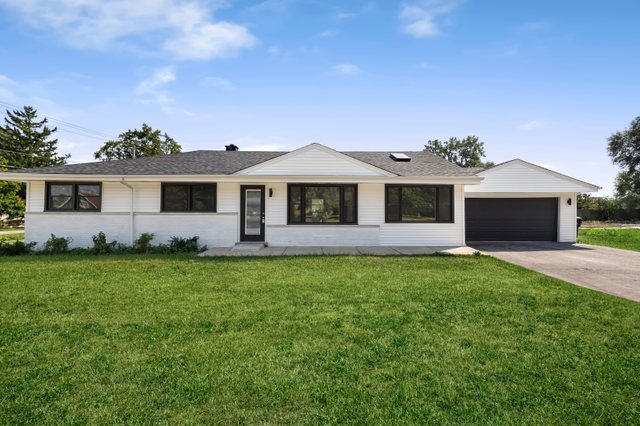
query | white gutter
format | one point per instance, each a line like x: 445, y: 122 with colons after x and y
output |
x: 463, y: 180
x: 131, y: 234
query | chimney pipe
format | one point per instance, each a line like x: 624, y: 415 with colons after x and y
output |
x: 231, y: 147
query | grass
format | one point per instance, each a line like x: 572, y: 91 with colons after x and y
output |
x: 622, y: 238
x: 3, y: 229
x: 164, y: 339
x: 12, y: 237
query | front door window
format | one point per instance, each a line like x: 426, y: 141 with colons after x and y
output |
x: 253, y: 211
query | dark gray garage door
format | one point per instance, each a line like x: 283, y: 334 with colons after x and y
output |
x: 511, y: 219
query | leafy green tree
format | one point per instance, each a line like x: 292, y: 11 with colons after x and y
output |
x: 466, y: 152
x: 11, y: 204
x: 25, y: 141
x: 624, y: 150
x: 585, y: 200
x: 145, y: 142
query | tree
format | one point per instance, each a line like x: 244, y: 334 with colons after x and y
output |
x: 25, y: 141
x: 138, y: 143
x: 584, y: 200
x: 11, y: 204
x: 624, y: 150
x: 467, y: 152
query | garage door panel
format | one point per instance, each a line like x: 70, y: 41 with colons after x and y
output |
x: 511, y: 219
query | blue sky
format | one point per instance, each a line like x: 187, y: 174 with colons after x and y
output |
x: 545, y: 81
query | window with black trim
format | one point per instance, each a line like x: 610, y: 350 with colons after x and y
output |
x: 418, y: 203
x: 322, y: 204
x: 64, y: 196
x: 188, y: 197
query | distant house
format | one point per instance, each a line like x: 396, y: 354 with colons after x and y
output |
x: 313, y: 196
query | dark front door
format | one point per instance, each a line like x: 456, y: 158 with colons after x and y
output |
x: 511, y: 219
x: 252, y: 213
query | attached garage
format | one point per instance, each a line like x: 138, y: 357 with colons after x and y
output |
x: 511, y: 219
x: 519, y: 201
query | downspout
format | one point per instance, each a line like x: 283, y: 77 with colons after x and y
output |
x: 131, y: 234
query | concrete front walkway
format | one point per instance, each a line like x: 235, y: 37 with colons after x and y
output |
x: 335, y: 251
x: 605, y: 269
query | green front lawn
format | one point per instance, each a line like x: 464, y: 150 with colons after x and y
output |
x: 174, y: 340
x: 622, y: 238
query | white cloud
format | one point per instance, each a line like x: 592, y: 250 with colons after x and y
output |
x: 420, y: 19
x: 531, y: 125
x: 150, y: 90
x: 345, y: 15
x: 365, y: 9
x: 534, y: 27
x: 184, y: 29
x: 6, y: 92
x: 345, y: 69
x: 158, y: 78
x: 271, y: 6
x: 218, y: 83
x: 6, y: 80
x: 208, y: 41
x: 328, y: 33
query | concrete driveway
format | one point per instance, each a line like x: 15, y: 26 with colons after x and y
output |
x: 604, y: 269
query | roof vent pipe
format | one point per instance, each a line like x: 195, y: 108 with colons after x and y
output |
x: 231, y: 147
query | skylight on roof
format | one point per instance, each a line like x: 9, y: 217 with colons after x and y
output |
x: 398, y: 156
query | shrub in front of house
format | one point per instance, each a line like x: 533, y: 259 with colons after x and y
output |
x: 56, y: 245
x: 143, y: 243
x: 184, y: 245
x: 15, y: 248
x: 101, y: 246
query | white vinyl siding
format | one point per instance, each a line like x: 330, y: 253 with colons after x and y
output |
x: 313, y: 161
x: 371, y: 204
x: 115, y: 197
x: 519, y: 177
x: 276, y: 205
x: 36, y: 197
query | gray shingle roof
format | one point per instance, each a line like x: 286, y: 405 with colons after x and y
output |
x: 227, y: 162
x: 422, y: 163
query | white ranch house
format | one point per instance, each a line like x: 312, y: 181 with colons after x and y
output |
x: 313, y: 196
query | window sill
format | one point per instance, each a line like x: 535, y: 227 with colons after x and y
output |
x: 322, y: 225
x: 419, y: 223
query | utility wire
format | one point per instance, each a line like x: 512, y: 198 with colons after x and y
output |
x: 85, y: 130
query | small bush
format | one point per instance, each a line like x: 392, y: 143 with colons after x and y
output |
x: 15, y: 248
x: 123, y: 249
x: 56, y: 245
x: 101, y: 246
x: 143, y: 243
x: 184, y: 245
